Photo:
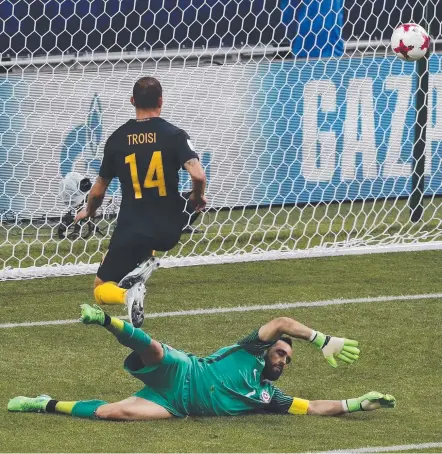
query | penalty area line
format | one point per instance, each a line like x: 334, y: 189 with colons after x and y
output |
x: 412, y: 447
x: 265, y: 307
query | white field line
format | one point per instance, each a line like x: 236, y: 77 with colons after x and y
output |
x: 386, y: 448
x: 224, y: 310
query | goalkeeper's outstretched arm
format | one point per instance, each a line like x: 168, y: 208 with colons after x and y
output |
x: 368, y: 402
x: 282, y: 403
x: 344, y: 349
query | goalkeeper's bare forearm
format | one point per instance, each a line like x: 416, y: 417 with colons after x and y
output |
x: 273, y: 330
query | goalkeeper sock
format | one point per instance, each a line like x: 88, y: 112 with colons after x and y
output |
x: 80, y: 409
x: 126, y: 334
x: 57, y: 406
x: 86, y: 408
x: 109, y: 293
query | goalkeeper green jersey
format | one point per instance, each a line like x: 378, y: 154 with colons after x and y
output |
x: 229, y: 381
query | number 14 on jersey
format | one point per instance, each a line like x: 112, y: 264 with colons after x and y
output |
x: 154, y: 176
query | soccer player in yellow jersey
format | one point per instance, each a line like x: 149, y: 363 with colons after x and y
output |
x: 234, y: 380
x: 145, y: 154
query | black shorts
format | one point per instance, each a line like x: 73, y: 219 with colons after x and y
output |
x: 126, y: 251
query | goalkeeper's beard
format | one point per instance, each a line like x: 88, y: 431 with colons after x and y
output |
x: 272, y: 371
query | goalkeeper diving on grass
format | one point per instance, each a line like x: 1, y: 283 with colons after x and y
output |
x: 234, y: 380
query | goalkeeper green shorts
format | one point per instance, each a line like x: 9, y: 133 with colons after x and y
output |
x: 166, y: 383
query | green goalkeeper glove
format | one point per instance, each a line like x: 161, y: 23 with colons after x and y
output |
x: 344, y: 349
x: 369, y: 402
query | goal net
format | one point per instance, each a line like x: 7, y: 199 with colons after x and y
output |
x: 304, y: 120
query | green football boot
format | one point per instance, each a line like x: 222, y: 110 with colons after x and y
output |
x: 29, y: 404
x: 92, y: 315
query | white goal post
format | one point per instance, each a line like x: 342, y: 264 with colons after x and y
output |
x: 303, y: 118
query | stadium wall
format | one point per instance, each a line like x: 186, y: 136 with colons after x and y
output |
x: 269, y: 133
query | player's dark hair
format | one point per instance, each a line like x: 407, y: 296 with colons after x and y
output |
x: 287, y: 340
x: 147, y: 93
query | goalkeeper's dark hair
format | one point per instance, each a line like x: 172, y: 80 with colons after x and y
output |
x: 147, y: 93
x: 287, y: 340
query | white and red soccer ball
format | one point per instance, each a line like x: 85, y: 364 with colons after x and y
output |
x: 410, y: 42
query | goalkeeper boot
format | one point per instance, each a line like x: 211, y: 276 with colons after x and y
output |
x: 92, y: 315
x: 140, y: 274
x: 134, y: 300
x: 29, y: 404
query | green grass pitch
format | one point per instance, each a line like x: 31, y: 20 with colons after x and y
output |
x: 400, y: 342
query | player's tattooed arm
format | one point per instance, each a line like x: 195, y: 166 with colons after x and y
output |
x: 198, y: 176
x: 194, y: 167
x: 95, y: 198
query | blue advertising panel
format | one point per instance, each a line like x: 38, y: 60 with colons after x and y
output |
x: 344, y: 129
x: 289, y: 132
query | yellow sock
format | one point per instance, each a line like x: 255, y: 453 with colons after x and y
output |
x: 116, y: 324
x: 109, y: 293
x: 65, y: 407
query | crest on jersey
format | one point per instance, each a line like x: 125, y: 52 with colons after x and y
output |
x: 190, y: 145
x: 265, y: 396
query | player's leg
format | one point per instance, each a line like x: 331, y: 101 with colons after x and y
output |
x: 45, y: 404
x: 136, y: 339
x: 147, y: 357
x: 124, y: 254
x: 161, y: 368
x: 131, y: 409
